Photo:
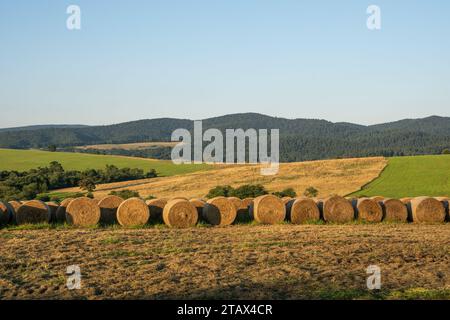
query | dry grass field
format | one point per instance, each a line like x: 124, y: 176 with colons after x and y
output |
x: 238, y: 262
x: 128, y: 146
x: 328, y: 176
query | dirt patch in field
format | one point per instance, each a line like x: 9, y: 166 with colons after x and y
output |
x: 236, y: 262
x: 340, y: 177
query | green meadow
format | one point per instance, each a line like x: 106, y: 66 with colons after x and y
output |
x: 410, y: 177
x: 22, y: 160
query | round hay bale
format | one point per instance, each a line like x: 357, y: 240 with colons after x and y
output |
x: 336, y: 209
x: 243, y: 213
x: 286, y: 200
x: 108, y: 209
x: 269, y: 209
x: 302, y: 210
x: 368, y: 210
x: 156, y: 207
x: 61, y: 211
x: 179, y: 198
x: 83, y: 212
x: 180, y: 213
x: 5, y: 213
x: 14, y: 205
x: 377, y: 198
x: 33, y: 211
x: 426, y: 209
x: 446, y: 202
x: 405, y: 200
x: 199, y: 204
x: 53, y: 208
x: 394, y: 210
x: 236, y: 202
x: 133, y: 212
x: 219, y: 211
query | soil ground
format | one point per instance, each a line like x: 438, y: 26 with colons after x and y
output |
x: 237, y: 262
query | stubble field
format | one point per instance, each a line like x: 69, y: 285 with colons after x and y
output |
x: 237, y: 262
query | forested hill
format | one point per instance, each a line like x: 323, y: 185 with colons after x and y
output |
x: 37, y: 127
x: 301, y: 139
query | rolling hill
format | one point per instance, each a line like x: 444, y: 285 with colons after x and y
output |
x: 340, y: 176
x: 23, y: 160
x: 44, y: 126
x: 300, y: 139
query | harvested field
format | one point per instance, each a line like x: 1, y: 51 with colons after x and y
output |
x: 340, y: 177
x: 239, y: 262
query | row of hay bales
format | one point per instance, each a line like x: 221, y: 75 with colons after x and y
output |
x: 221, y: 211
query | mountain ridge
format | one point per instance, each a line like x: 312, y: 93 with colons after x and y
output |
x: 300, y: 139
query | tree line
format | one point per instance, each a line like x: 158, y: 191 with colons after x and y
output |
x: 15, y: 185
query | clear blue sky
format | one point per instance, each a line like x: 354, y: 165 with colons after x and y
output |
x: 201, y: 58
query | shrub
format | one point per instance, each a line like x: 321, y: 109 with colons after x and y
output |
x: 125, y: 194
x: 219, y: 191
x: 242, y: 192
x: 446, y: 151
x: 249, y: 191
x: 311, y: 192
x: 288, y: 192
x: 51, y: 148
x: 87, y: 184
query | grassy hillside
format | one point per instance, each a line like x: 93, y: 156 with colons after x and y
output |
x: 412, y: 176
x: 22, y: 160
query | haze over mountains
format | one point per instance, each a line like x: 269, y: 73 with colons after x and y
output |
x: 300, y: 139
